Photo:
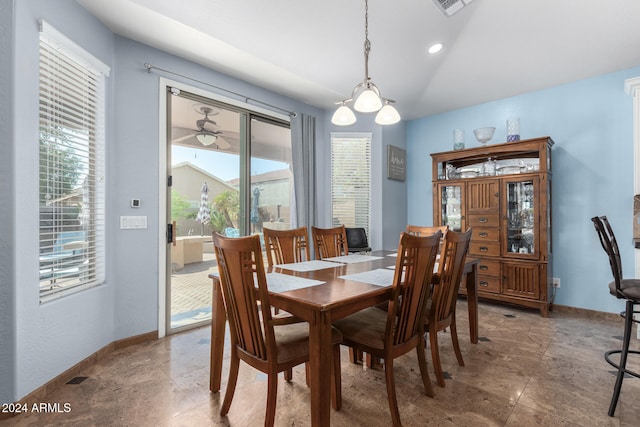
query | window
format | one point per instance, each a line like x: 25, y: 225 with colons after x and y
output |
x: 71, y: 190
x: 351, y: 180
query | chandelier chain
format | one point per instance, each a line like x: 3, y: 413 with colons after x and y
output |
x: 367, y: 43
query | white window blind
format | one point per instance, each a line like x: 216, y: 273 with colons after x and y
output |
x: 351, y: 181
x: 71, y: 190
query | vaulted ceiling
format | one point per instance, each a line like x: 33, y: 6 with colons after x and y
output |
x: 313, y: 50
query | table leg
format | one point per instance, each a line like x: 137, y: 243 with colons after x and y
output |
x: 218, y: 320
x: 472, y: 302
x: 320, y: 360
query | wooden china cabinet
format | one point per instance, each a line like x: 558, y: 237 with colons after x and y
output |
x: 502, y: 191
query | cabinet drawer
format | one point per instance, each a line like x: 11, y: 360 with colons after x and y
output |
x: 489, y: 267
x: 482, y: 220
x: 484, y: 249
x: 483, y: 234
x: 488, y: 283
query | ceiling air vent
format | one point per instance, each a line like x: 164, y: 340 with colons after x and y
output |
x: 449, y: 7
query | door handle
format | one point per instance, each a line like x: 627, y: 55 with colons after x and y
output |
x: 483, y: 219
x: 171, y: 235
x: 483, y: 284
x: 484, y: 249
x: 483, y: 267
x: 483, y: 234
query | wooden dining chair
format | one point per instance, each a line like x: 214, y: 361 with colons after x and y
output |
x: 390, y: 334
x: 329, y: 242
x: 269, y: 344
x: 286, y: 246
x: 441, y: 311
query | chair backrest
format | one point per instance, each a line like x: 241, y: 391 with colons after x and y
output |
x: 411, y: 287
x: 357, y: 239
x: 452, y: 259
x: 418, y: 230
x: 329, y: 242
x: 245, y: 295
x: 286, y: 246
x: 610, y: 246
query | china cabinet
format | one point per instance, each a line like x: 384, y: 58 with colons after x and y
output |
x: 502, y: 191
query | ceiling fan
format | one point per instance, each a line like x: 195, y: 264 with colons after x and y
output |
x: 204, y: 132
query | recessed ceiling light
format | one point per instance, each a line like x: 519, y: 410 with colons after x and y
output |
x: 435, y: 48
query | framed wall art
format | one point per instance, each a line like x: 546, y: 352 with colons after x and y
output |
x: 396, y: 163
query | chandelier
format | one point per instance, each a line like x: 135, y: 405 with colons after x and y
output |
x: 366, y: 95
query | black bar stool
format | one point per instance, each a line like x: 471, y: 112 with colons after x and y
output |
x: 627, y: 289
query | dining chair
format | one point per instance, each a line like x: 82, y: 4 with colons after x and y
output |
x: 268, y: 344
x: 627, y: 289
x: 286, y: 246
x: 441, y: 309
x: 390, y: 334
x: 329, y: 242
x: 357, y: 239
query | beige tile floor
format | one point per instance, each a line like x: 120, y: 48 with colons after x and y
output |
x: 525, y: 371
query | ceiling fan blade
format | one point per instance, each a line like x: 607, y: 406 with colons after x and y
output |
x: 180, y: 134
x: 222, y: 143
x: 182, y: 138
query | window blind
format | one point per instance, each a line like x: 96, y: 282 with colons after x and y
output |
x: 351, y: 181
x: 71, y: 166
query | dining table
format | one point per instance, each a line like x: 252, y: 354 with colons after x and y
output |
x: 320, y: 292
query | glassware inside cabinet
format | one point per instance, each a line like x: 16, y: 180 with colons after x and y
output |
x: 521, y: 218
x: 451, y: 196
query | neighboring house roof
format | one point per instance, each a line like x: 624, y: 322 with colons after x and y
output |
x: 204, y: 172
x: 267, y: 176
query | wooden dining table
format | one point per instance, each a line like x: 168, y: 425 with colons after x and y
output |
x: 322, y: 304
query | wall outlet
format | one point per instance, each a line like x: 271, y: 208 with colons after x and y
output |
x: 556, y: 282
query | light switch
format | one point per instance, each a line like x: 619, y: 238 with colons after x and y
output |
x: 129, y: 222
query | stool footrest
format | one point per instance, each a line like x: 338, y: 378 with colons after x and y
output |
x: 617, y: 365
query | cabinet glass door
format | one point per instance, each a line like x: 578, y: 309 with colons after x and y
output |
x: 451, y: 206
x: 521, y: 218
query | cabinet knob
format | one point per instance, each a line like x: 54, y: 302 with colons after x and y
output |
x: 497, y: 194
x: 483, y: 234
x: 483, y: 283
x: 483, y: 268
x: 484, y: 249
x: 483, y: 219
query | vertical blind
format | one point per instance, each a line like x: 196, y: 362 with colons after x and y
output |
x: 71, y: 182
x: 351, y: 181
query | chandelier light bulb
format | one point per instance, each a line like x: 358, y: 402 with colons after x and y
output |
x: 343, y: 116
x: 367, y: 102
x: 388, y: 115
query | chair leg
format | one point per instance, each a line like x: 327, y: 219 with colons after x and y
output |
x: 272, y: 394
x: 288, y: 375
x: 336, y: 379
x: 355, y: 356
x: 422, y: 362
x: 231, y: 383
x: 628, y: 323
x: 391, y: 391
x: 435, y: 357
x: 454, y: 339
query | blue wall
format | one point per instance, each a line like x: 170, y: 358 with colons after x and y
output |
x: 591, y: 122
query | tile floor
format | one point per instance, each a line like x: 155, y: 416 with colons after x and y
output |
x: 525, y: 371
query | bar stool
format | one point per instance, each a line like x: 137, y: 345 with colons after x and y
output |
x: 627, y: 289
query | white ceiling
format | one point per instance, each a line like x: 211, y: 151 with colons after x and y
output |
x: 313, y: 50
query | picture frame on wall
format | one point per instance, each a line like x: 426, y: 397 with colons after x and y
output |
x: 396, y: 163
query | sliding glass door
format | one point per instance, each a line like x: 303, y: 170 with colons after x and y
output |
x: 229, y: 173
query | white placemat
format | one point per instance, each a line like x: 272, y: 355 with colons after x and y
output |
x: 309, y: 265
x: 435, y: 267
x: 278, y: 282
x: 353, y: 258
x: 378, y: 277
